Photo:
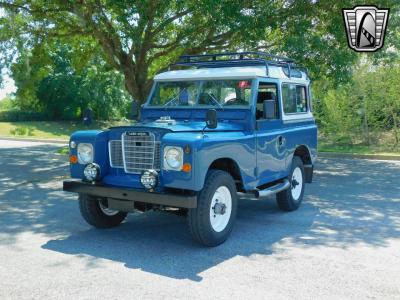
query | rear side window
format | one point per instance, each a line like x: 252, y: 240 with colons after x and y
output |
x: 294, y: 98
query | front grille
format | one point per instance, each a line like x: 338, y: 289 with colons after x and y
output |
x: 157, y: 156
x: 138, y: 151
x: 115, y: 150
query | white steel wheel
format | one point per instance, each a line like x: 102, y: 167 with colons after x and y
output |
x: 291, y: 198
x: 107, y: 211
x: 296, y: 183
x: 220, y: 208
x: 211, y: 222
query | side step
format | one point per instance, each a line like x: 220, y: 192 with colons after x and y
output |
x: 261, y: 194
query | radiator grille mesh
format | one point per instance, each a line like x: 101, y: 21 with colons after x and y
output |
x: 116, y: 159
x: 135, y: 153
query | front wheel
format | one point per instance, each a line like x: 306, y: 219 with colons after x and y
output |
x: 96, y: 212
x: 290, y: 199
x: 212, y: 221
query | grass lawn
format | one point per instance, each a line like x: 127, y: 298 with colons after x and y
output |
x: 49, y: 130
x: 380, y: 147
x: 355, y: 149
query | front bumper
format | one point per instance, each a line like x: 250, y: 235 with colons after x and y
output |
x: 125, y: 194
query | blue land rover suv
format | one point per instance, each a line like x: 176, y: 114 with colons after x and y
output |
x: 215, y: 129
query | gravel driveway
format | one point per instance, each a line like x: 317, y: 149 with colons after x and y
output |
x: 344, y: 242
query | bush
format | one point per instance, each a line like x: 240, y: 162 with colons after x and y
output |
x: 22, y: 130
x: 6, y: 104
x: 20, y: 116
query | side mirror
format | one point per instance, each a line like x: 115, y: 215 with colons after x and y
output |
x: 269, y: 109
x: 211, y: 119
x: 134, y: 110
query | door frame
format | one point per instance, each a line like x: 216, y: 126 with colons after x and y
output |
x: 275, y: 129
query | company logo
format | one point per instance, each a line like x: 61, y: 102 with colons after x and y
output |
x: 135, y: 133
x: 365, y: 27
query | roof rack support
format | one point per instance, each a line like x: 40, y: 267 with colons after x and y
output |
x: 236, y: 59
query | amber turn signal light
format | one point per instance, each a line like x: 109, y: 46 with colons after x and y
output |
x: 186, y: 167
x: 73, y: 159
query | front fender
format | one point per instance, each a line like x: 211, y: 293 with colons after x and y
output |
x: 205, y: 149
x: 237, y: 146
x: 99, y: 140
x: 180, y: 179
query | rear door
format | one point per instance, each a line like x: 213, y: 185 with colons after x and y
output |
x: 270, y: 141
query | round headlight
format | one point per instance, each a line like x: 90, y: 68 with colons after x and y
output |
x: 173, y: 157
x: 85, y: 153
x: 149, y: 179
x: 72, y: 144
x: 91, y: 172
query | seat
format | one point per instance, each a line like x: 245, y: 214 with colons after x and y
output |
x: 261, y: 97
x: 184, y: 97
x: 204, y: 99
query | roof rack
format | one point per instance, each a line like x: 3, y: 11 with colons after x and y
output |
x: 237, y: 59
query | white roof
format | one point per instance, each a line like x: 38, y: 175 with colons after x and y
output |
x: 228, y: 72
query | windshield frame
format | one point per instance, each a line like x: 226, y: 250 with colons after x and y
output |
x: 203, y: 107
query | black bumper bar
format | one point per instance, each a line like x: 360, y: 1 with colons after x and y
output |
x: 99, y: 190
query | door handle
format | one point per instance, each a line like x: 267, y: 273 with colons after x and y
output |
x: 281, y: 140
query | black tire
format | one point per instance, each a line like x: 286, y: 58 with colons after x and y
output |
x: 285, y: 199
x: 199, y: 218
x: 92, y: 213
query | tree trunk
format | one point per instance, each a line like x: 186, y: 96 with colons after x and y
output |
x: 395, y: 127
x: 136, y: 82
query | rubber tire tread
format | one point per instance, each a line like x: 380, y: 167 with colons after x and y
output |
x: 198, y: 218
x: 91, y: 212
x: 284, y: 199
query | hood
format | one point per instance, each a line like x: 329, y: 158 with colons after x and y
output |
x: 182, y: 126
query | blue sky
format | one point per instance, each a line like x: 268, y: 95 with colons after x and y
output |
x: 8, y: 86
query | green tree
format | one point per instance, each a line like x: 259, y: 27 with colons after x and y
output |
x: 363, y: 108
x: 66, y: 91
x: 379, y: 89
x: 140, y: 38
x: 6, y: 104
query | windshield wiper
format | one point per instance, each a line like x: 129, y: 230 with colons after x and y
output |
x: 175, y: 98
x: 215, y: 100
x: 172, y: 100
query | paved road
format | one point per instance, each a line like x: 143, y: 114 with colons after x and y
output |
x: 344, y: 242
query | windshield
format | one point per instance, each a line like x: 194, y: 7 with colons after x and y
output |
x: 201, y: 93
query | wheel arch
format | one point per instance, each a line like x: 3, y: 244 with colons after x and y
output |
x: 230, y: 166
x: 304, y: 153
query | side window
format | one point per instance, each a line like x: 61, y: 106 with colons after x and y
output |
x: 294, y: 98
x: 266, y: 91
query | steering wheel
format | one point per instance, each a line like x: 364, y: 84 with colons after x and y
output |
x: 235, y: 101
x: 231, y: 101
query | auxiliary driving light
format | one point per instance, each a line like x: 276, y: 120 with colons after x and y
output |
x: 149, y: 179
x: 91, y: 172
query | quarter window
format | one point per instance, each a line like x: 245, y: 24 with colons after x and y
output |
x: 294, y: 98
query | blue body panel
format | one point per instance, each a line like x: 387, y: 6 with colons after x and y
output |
x: 99, y: 139
x: 255, y: 146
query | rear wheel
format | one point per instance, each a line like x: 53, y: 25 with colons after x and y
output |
x: 290, y: 199
x: 96, y: 212
x: 212, y: 221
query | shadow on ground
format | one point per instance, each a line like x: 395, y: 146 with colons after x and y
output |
x: 350, y: 202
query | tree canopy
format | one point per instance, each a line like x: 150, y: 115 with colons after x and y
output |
x: 141, y: 38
